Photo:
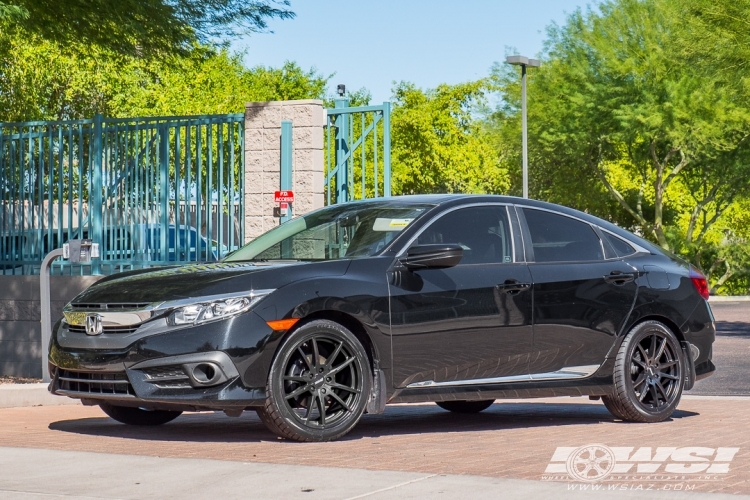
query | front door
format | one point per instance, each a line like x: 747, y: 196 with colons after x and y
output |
x: 581, y: 300
x: 469, y: 322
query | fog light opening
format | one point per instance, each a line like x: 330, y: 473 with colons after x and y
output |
x: 206, y: 373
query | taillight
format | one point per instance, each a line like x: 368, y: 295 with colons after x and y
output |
x: 699, y: 282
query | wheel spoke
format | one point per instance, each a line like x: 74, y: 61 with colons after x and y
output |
x: 344, y: 388
x: 304, y: 356
x: 642, y: 394
x: 341, y: 401
x: 644, y: 353
x: 342, y: 366
x: 316, y: 354
x: 309, y: 409
x: 290, y: 378
x: 640, y: 380
x: 667, y: 375
x: 652, y: 347
x: 667, y: 364
x: 663, y: 392
x: 639, y: 363
x: 322, y: 407
x: 661, y: 349
x: 654, y: 395
x: 297, y: 392
x: 333, y: 356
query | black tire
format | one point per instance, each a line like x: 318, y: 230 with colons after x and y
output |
x: 136, y: 416
x: 648, y: 375
x: 465, y: 406
x: 317, y: 398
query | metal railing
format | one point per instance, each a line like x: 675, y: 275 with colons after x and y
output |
x: 150, y: 191
x: 358, y: 152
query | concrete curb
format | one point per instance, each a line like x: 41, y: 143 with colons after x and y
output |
x: 18, y: 395
x: 729, y: 298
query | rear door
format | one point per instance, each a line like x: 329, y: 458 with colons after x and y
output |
x: 581, y: 298
x: 468, y: 323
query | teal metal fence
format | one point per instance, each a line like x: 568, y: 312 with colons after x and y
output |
x: 150, y: 191
x: 358, y: 152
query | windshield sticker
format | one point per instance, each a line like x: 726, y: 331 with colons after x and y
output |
x: 386, y: 224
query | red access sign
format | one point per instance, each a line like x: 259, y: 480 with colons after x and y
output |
x: 283, y: 196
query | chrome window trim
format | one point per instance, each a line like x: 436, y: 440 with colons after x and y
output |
x: 409, y: 243
x: 593, y: 227
x: 568, y: 373
x: 637, y: 247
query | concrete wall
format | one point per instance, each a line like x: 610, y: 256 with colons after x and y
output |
x: 263, y: 159
x: 20, y: 327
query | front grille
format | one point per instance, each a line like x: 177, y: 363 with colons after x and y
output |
x: 95, y: 383
x: 106, y: 329
x: 168, y: 377
x: 110, y: 306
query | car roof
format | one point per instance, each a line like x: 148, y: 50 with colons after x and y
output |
x: 458, y: 199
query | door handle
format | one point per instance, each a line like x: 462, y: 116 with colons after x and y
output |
x: 619, y: 278
x: 513, y: 287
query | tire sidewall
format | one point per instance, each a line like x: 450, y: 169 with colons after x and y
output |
x: 276, y: 374
x: 636, y: 335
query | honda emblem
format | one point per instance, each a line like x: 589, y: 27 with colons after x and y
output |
x: 93, y: 324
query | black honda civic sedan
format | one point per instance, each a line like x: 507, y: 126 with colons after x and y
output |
x: 455, y: 299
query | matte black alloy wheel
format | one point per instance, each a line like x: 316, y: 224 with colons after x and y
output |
x: 138, y: 416
x: 648, y: 375
x: 465, y: 406
x: 319, y: 384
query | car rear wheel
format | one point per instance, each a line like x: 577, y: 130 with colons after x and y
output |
x: 138, y: 416
x: 465, y: 406
x: 648, y: 375
x: 318, y: 385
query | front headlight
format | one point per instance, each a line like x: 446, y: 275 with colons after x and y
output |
x: 214, y: 308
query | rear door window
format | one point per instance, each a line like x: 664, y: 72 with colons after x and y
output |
x: 557, y: 238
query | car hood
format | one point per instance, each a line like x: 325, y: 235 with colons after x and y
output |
x: 198, y: 280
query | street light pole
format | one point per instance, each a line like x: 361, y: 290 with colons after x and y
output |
x: 524, y: 62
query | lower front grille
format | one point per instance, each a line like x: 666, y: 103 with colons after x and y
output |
x: 94, y: 383
x: 168, y: 377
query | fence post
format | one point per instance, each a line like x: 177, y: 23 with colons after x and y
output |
x: 342, y: 134
x: 164, y: 193
x: 95, y: 190
x: 285, y: 177
x: 386, y: 149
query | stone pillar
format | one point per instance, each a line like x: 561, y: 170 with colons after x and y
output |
x: 263, y: 159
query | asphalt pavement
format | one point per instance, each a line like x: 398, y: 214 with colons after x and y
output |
x: 731, y: 352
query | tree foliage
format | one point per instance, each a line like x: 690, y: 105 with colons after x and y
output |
x: 439, y: 146
x: 138, y: 27
x: 40, y: 82
x: 622, y: 126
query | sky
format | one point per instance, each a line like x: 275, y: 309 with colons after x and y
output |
x: 373, y: 43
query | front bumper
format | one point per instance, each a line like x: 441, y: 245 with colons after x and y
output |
x: 216, y: 366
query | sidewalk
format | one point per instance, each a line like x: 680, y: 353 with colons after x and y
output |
x: 81, y: 475
x: 21, y: 395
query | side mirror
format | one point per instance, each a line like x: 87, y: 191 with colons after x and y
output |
x: 432, y: 256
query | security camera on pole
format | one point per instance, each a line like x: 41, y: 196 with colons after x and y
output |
x: 532, y: 63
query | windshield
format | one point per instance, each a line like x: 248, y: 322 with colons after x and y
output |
x: 339, y: 232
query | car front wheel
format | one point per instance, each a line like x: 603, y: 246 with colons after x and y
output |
x: 648, y: 375
x: 138, y: 416
x: 318, y: 385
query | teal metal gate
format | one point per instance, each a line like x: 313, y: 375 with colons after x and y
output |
x: 150, y: 191
x: 358, y: 152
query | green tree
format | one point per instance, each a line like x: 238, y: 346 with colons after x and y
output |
x: 138, y: 27
x: 438, y: 144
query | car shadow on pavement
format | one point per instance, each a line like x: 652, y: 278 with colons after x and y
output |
x: 397, y: 420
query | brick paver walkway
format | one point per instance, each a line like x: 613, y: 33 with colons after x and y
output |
x: 513, y: 439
